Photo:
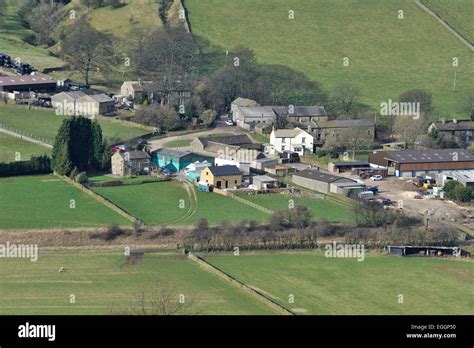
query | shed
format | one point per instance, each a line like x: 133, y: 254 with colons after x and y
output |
x: 411, y: 163
x: 264, y: 182
x: 261, y: 164
x: 345, y: 167
x: 409, y: 250
x: 324, y: 182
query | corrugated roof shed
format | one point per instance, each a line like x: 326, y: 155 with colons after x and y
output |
x: 429, y: 156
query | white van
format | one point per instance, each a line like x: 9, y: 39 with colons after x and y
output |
x: 365, y: 195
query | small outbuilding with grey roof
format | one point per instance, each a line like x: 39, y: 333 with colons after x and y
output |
x: 324, y: 182
x: 264, y: 182
x: 95, y: 104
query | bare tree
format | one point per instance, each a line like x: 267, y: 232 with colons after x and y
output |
x: 163, y: 117
x: 44, y: 19
x: 409, y: 128
x: 356, y: 138
x: 86, y: 48
x: 346, y: 98
x: 164, y: 299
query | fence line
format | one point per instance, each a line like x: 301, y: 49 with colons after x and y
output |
x: 100, y: 199
x: 238, y: 284
x: 25, y: 136
x: 251, y: 204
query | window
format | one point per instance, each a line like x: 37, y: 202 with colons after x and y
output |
x: 283, y: 148
x: 303, y: 140
x: 235, y: 182
x: 283, y: 140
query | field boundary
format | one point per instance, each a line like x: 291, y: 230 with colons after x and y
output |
x: 252, y: 204
x: 100, y: 199
x: 238, y: 284
x: 448, y: 26
x: 14, y: 133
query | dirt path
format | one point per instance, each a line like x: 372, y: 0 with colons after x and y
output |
x: 445, y: 24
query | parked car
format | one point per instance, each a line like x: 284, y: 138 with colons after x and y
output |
x: 374, y: 189
x: 376, y: 177
x: 229, y: 122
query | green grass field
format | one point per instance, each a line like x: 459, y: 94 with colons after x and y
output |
x: 216, y: 208
x: 320, y: 208
x: 10, y: 146
x: 160, y: 203
x: 154, y: 204
x: 43, y: 201
x: 12, y: 34
x: 387, y: 55
x: 45, y: 124
x: 458, y: 13
x: 323, y: 285
x: 177, y: 143
x: 102, y: 282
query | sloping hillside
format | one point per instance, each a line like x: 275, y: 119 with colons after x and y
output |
x: 458, y: 13
x: 12, y: 36
x: 387, y: 55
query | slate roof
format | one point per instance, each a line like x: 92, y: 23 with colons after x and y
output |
x: 429, y: 156
x: 300, y: 111
x: 257, y: 111
x: 72, y: 94
x: 100, y: 98
x: 287, y: 133
x: 454, y: 126
x: 133, y: 155
x: 320, y: 176
x: 344, y: 123
x: 224, y: 170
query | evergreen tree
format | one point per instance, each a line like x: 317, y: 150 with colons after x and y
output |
x: 78, y: 144
x: 105, y: 163
x: 97, y: 145
x: 61, y: 153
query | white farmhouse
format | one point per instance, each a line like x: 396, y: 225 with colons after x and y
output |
x: 296, y: 140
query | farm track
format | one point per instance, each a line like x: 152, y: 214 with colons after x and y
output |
x: 193, y: 203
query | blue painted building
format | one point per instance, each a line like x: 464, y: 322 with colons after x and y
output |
x: 176, y: 160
